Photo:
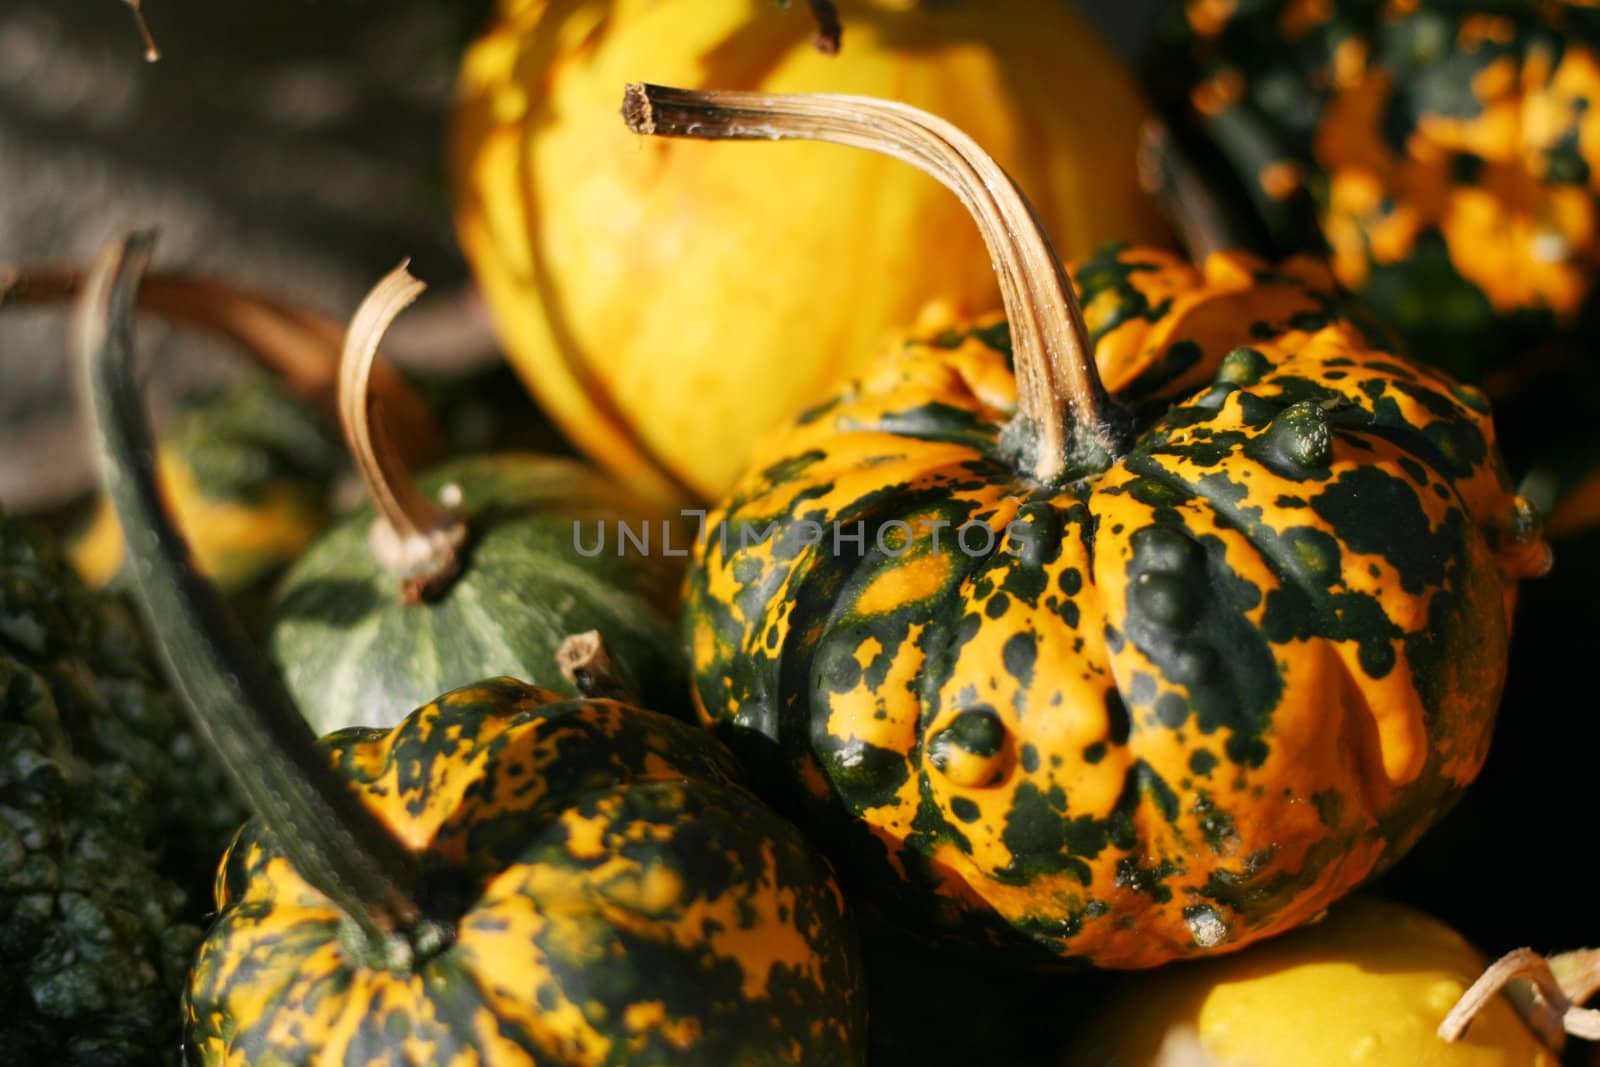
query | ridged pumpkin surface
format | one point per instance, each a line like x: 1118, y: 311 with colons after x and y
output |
x: 1173, y: 706
x: 1450, y: 151
x: 622, y: 900
x: 593, y: 249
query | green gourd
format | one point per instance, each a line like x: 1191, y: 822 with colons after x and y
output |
x: 478, y: 568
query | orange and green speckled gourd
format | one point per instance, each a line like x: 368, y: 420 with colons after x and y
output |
x: 1444, y: 151
x: 507, y: 877
x: 622, y: 899
x: 1237, y: 641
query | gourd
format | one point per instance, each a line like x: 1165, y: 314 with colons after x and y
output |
x: 669, y: 306
x: 505, y: 877
x: 1369, y: 983
x: 1439, y: 150
x: 95, y: 930
x: 249, y: 471
x: 1124, y: 679
x: 405, y: 597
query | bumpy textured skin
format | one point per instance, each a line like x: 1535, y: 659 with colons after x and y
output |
x: 545, y: 560
x: 1183, y: 703
x: 93, y: 942
x: 1446, y: 151
x: 621, y: 900
x: 247, y: 472
x: 592, y: 247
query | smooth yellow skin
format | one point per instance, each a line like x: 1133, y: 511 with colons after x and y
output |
x: 1367, y: 986
x: 669, y: 301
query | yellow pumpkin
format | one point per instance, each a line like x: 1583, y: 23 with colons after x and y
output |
x: 1368, y: 985
x: 670, y: 303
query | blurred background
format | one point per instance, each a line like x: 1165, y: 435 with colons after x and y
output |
x: 295, y: 146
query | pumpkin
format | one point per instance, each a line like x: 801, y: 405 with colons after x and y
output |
x: 249, y: 471
x: 1118, y: 681
x: 505, y: 877
x: 620, y: 898
x: 594, y: 252
x: 405, y: 598
x: 1443, y: 151
x: 1368, y: 984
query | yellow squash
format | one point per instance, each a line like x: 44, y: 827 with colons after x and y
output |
x: 669, y: 303
x: 1368, y: 985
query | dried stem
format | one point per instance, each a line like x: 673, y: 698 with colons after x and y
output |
x: 1578, y: 972
x: 1554, y: 1004
x: 1059, y: 390
x: 151, y: 52
x: 586, y: 663
x: 298, y: 345
x: 413, y: 536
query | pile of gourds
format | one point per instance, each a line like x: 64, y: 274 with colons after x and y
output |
x: 874, y: 696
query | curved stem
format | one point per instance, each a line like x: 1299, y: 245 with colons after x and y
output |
x: 236, y: 703
x: 413, y: 535
x: 1059, y: 389
x: 1553, y: 1007
x: 300, y: 346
